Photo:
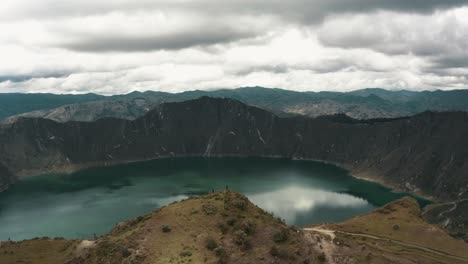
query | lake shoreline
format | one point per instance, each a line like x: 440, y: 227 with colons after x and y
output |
x: 353, y: 171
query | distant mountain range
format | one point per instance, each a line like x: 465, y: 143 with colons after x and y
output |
x: 360, y: 104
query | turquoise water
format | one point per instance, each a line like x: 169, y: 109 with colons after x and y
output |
x: 92, y: 201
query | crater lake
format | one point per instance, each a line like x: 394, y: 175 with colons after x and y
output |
x: 91, y: 201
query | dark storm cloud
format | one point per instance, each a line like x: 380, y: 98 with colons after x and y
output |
x: 439, y: 40
x: 23, y: 78
x: 307, y: 10
x: 451, y: 61
x: 417, y: 6
x: 331, y: 65
x: 279, y: 68
x: 292, y: 11
x: 313, y: 11
x: 323, y: 66
x: 173, y: 41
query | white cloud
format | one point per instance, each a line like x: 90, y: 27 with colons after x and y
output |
x: 119, y: 46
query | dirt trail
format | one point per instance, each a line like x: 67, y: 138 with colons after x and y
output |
x: 327, y: 232
x: 325, y: 244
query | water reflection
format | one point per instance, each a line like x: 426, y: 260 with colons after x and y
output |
x: 291, y: 202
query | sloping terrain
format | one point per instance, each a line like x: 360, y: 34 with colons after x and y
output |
x: 401, y: 225
x: 224, y: 227
x: 15, y: 103
x: 395, y: 233
x: 450, y: 216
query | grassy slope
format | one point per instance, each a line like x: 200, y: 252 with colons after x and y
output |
x: 397, y: 222
x: 239, y: 233
x: 37, y: 251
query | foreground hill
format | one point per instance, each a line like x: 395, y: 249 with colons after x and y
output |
x: 401, y: 225
x: 224, y: 227
x: 360, y: 104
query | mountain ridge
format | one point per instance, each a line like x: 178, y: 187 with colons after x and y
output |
x: 360, y: 104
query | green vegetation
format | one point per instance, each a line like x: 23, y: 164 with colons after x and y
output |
x: 166, y: 229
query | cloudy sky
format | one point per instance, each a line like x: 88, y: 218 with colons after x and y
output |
x: 118, y: 46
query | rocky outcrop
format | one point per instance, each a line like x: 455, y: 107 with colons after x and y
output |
x: 423, y: 153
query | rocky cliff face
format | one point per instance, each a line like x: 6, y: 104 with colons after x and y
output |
x: 424, y: 153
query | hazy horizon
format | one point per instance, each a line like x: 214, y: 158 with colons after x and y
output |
x: 236, y: 88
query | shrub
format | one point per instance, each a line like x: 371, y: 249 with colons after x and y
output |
x: 221, y: 253
x: 211, y: 244
x: 274, y: 251
x: 281, y: 220
x: 279, y: 252
x: 185, y: 253
x: 240, y: 204
x: 247, y: 226
x: 209, y: 209
x: 322, y: 258
x: 280, y: 236
x: 166, y: 229
x: 223, y: 228
x: 125, y: 252
x: 240, y: 237
x: 247, y: 245
x: 231, y: 221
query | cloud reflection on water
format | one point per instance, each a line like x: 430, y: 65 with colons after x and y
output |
x: 291, y: 201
